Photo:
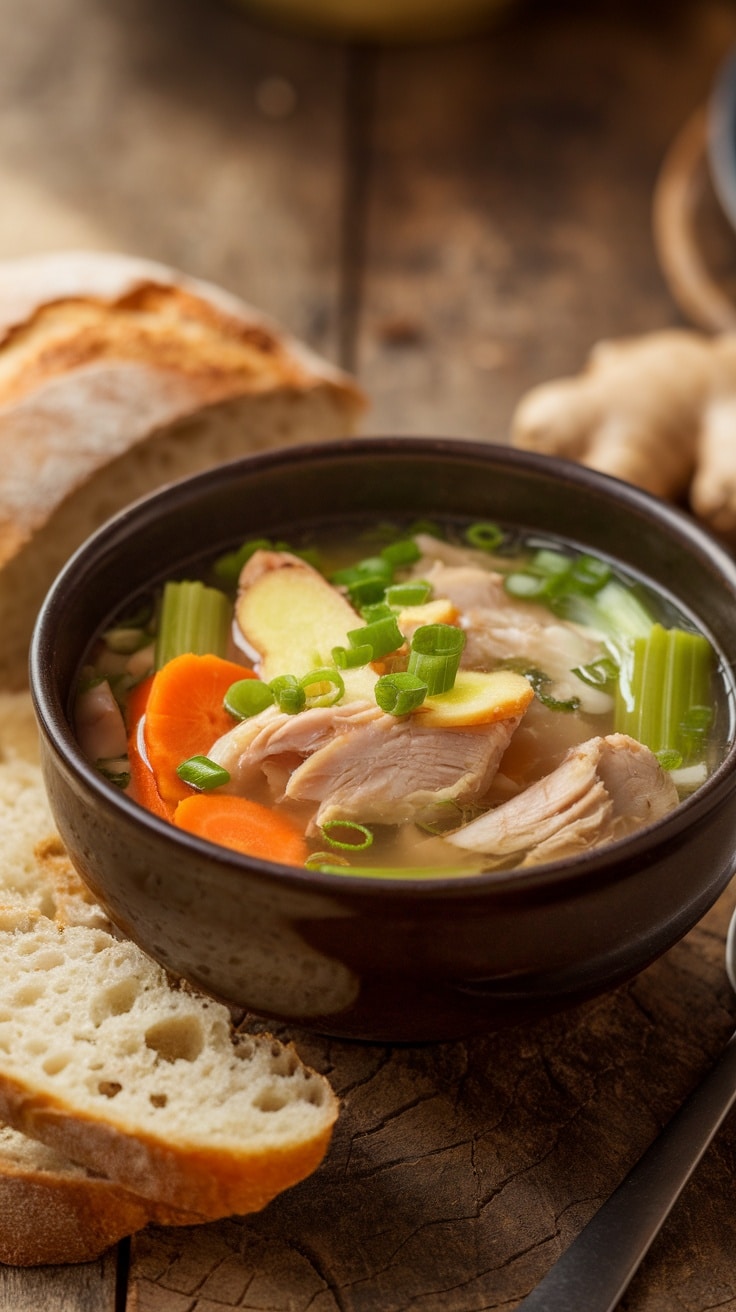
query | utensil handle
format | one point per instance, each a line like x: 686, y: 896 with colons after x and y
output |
x: 597, y: 1267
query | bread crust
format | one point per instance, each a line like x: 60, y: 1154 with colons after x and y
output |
x: 118, y: 375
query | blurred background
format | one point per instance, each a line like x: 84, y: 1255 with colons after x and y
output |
x: 454, y: 199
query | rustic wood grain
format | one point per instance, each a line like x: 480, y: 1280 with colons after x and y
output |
x: 460, y: 1171
x: 509, y: 216
x: 87, y: 1288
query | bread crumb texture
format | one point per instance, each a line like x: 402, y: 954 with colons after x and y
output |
x: 103, y: 1059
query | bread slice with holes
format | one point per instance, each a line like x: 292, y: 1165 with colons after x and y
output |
x: 104, y: 1060
x: 127, y: 1099
x: 118, y: 375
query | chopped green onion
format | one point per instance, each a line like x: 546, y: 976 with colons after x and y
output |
x: 348, y: 658
x: 485, y: 536
x: 315, y: 679
x: 330, y: 826
x: 378, y: 610
x: 228, y: 566
x: 332, y: 867
x: 590, y: 573
x: 668, y: 759
x: 663, y: 698
x: 382, y: 636
x: 408, y: 594
x: 194, y: 618
x: 599, y: 673
x: 247, y: 697
x: 202, y: 773
x: 399, y: 694
x: 527, y: 587
x: 404, y: 552
x: 319, y: 860
x: 289, y: 694
x: 539, y: 681
x: 366, y: 581
x: 435, y: 656
x: 552, y: 564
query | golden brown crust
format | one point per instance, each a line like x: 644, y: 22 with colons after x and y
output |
x: 214, y: 1182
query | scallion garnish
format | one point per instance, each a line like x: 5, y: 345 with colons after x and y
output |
x: 599, y: 673
x: 318, y: 860
x: 527, y: 587
x: 435, y: 656
x: 540, y: 682
x: 403, y: 552
x: 485, y: 536
x: 247, y: 697
x: 315, y: 680
x: 400, y: 693
x: 328, y: 828
x: 228, y: 566
x: 408, y: 594
x: 194, y: 618
x: 202, y: 773
x: 349, y: 658
x: 366, y: 581
x: 289, y: 694
x: 382, y: 636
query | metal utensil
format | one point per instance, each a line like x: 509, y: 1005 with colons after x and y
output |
x: 597, y: 1267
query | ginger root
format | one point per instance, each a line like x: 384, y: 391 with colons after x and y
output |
x: 658, y: 411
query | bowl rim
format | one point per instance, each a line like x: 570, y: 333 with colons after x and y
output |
x: 605, y: 864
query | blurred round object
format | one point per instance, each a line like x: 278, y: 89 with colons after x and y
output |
x: 381, y: 20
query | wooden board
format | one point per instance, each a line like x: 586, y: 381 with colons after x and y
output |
x: 460, y: 1171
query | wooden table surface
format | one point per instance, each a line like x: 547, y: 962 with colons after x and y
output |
x: 455, y: 222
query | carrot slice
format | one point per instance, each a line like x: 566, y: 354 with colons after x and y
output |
x: 242, y: 825
x: 185, y: 715
x: 142, y: 783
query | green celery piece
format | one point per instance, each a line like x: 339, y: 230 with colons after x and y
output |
x: 194, y: 618
x: 668, y: 681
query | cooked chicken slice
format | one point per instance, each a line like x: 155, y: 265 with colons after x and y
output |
x: 356, y: 762
x: 602, y: 790
x: 396, y: 769
x: 273, y: 738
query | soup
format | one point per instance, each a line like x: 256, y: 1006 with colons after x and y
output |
x: 422, y: 700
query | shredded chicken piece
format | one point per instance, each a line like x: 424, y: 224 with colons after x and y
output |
x: 603, y: 789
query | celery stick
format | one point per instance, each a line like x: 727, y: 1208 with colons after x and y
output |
x: 666, y: 700
x: 194, y: 618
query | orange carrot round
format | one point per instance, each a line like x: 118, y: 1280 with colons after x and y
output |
x: 185, y: 715
x: 242, y: 825
x: 142, y: 783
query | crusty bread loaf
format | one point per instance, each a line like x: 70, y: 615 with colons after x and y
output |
x: 118, y: 375
x: 135, y: 1100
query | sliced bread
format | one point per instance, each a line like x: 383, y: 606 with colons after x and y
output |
x: 124, y: 1095
x: 118, y: 375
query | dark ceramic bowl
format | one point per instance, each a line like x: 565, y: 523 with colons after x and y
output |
x: 394, y: 960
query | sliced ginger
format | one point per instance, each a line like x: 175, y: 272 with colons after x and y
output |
x: 658, y: 411
x: 477, y: 697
